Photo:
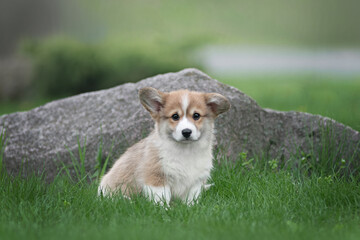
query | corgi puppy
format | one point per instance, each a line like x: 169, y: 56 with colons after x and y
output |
x: 175, y: 160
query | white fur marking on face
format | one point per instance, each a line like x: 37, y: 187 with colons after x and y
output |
x: 184, y: 124
x: 185, y: 103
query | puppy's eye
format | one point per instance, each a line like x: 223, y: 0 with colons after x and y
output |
x: 175, y: 117
x: 196, y: 116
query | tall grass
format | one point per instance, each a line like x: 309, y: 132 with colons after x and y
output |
x: 244, y: 204
x: 77, y: 172
x: 329, y: 154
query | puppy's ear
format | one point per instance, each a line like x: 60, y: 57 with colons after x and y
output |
x: 217, y: 103
x: 152, y: 100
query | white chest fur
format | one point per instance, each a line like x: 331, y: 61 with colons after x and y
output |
x: 186, y: 165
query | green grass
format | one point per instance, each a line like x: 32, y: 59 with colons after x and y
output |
x: 334, y: 97
x: 243, y: 204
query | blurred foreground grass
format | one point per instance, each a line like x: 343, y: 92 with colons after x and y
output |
x: 335, y: 98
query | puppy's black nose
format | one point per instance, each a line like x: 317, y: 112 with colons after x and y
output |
x: 186, y: 132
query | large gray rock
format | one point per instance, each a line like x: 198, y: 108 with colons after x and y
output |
x: 43, y: 137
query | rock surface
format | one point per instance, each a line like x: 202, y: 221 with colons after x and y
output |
x: 43, y: 137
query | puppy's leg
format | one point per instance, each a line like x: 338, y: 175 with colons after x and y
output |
x: 161, y: 194
x: 193, y: 194
x: 207, y: 186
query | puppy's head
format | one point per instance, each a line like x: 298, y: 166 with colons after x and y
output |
x: 183, y: 116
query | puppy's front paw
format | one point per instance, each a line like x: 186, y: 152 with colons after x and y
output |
x: 160, y: 195
x: 208, y: 186
x: 193, y: 195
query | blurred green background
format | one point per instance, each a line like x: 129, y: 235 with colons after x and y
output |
x: 50, y: 49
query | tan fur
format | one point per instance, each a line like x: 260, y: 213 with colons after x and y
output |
x: 153, y: 175
x: 141, y: 161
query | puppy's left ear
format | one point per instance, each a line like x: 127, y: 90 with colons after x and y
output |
x: 217, y: 103
x: 152, y: 100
